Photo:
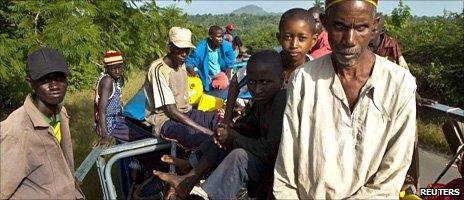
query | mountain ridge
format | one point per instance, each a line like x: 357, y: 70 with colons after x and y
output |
x: 251, y: 9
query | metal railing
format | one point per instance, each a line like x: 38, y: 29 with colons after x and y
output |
x: 98, y: 154
x: 452, y: 113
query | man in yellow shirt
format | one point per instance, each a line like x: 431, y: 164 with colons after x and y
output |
x: 36, y: 149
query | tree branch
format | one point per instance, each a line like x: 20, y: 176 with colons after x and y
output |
x: 132, y: 1
x: 35, y: 22
x: 98, y: 64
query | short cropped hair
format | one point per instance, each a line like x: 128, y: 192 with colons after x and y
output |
x: 270, y: 57
x: 299, y: 14
x: 316, y: 9
x: 213, y: 29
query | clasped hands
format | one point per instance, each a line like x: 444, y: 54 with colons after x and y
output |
x: 223, y: 135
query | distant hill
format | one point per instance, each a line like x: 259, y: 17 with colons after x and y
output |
x: 251, y: 9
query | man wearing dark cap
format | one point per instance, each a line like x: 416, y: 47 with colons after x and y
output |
x: 350, y: 120
x: 36, y: 149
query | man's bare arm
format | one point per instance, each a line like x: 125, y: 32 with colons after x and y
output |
x: 104, y: 90
x: 174, y: 114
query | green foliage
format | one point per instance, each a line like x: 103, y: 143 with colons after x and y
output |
x: 256, y: 31
x: 399, y: 17
x: 435, y: 47
x: 82, y: 31
x: 319, y: 3
x: 432, y: 45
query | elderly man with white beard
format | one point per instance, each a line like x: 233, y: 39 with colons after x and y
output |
x: 350, y: 119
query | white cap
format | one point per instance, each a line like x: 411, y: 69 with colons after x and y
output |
x: 181, y: 37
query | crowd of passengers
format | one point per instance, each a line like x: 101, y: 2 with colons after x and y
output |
x: 332, y: 114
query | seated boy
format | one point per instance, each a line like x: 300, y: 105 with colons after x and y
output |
x: 213, y: 58
x: 297, y: 34
x: 321, y: 46
x: 107, y: 103
x: 250, y: 144
x: 166, y: 96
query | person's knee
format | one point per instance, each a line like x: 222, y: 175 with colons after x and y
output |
x: 239, y: 156
x: 220, y: 82
x: 174, y: 130
x: 178, y: 133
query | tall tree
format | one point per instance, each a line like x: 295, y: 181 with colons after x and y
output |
x: 401, y: 15
x: 318, y: 3
x: 82, y: 30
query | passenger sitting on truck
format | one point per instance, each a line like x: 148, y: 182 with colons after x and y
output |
x: 239, y: 50
x: 321, y: 46
x: 251, y: 143
x: 297, y: 34
x: 107, y: 103
x: 167, y: 107
x: 213, y: 60
x: 229, y: 35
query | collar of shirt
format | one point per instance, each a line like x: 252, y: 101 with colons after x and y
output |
x: 55, y: 125
x: 36, y: 116
x: 387, y: 41
x: 211, y: 50
x: 49, y: 120
x: 370, y: 88
x: 34, y: 113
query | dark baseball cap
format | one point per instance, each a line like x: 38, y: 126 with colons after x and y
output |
x: 44, y: 61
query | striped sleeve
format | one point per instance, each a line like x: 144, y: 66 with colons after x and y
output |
x: 162, y: 93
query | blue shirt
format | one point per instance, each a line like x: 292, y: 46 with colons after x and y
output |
x: 213, y: 62
x: 199, y: 58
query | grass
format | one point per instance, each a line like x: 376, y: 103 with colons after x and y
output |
x: 80, y: 109
x: 429, y: 131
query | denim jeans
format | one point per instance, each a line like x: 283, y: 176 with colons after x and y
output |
x: 238, y: 168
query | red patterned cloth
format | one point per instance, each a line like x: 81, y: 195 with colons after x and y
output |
x: 321, y: 47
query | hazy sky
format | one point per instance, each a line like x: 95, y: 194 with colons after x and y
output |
x: 419, y: 8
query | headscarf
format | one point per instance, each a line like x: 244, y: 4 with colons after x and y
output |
x: 330, y: 3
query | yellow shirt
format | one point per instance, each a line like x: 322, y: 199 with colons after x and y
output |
x: 56, y: 126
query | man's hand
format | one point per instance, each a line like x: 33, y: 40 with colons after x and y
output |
x: 104, y: 138
x: 424, y: 101
x: 192, y: 72
x: 104, y: 141
x: 224, y: 135
x: 221, y: 112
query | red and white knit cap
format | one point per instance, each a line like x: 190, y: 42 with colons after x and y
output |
x: 113, y: 57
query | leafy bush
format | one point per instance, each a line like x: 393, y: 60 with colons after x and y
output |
x: 256, y: 31
x: 82, y: 31
x: 434, y: 47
